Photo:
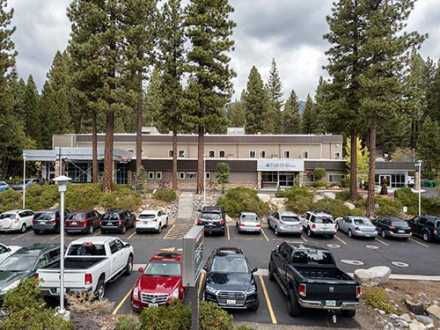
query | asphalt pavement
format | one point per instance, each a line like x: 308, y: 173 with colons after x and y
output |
x: 411, y: 257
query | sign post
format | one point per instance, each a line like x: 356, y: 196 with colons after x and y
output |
x: 193, y: 243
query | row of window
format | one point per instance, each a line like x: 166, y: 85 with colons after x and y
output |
x: 252, y: 154
x: 157, y: 175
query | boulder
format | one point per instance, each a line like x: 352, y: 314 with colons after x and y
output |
x: 415, y: 305
x: 279, y: 203
x: 317, y: 198
x: 406, y: 317
x: 349, y: 205
x: 426, y: 320
x: 416, y: 325
x: 434, y: 311
x: 329, y: 195
x: 373, y: 276
x: 264, y: 197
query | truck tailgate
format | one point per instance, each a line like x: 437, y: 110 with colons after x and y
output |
x: 50, y: 278
x: 331, y: 291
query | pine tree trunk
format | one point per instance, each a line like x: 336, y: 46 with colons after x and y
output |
x: 139, y: 121
x: 108, y: 153
x: 174, y: 171
x: 371, y: 170
x: 95, y: 165
x: 353, y: 169
x: 200, y: 160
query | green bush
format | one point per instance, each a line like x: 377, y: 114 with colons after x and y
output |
x: 25, y: 309
x: 174, y: 316
x: 320, y: 184
x: 128, y: 322
x: 319, y: 174
x: 387, y: 206
x: 10, y: 200
x: 214, y: 318
x: 165, y: 194
x: 411, y: 200
x: 377, y: 298
x: 336, y: 208
x: 242, y: 199
x: 123, y: 198
x: 83, y: 196
x: 343, y: 195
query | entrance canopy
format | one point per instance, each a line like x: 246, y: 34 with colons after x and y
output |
x: 280, y: 165
x: 119, y: 155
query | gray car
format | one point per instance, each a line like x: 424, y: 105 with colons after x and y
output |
x: 355, y: 226
x: 285, y: 223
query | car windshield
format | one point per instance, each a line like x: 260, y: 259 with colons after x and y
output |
x: 76, y: 216
x: 229, y: 264
x: 289, y: 218
x: 7, y: 216
x: 86, y: 249
x: 362, y: 222
x: 210, y: 216
x: 2, y: 183
x: 323, y: 220
x: 312, y: 257
x: 249, y: 217
x: 399, y: 223
x: 163, y: 269
x: 45, y: 216
x: 147, y: 216
x: 110, y: 216
x: 18, y: 262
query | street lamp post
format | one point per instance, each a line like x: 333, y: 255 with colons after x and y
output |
x: 419, y: 165
x: 62, y: 182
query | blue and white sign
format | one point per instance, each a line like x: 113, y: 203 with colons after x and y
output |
x: 280, y: 165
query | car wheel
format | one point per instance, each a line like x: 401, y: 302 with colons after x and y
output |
x: 100, y: 289
x: 255, y: 307
x: 276, y: 231
x: 23, y: 228
x: 293, y: 305
x: 37, y: 232
x: 159, y: 228
x: 271, y: 277
x: 350, y: 233
x: 383, y: 234
x: 426, y: 236
x: 129, y: 266
x: 349, y: 313
x: 166, y: 223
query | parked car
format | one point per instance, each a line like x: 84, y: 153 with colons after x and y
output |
x: 309, y: 277
x: 117, y: 220
x: 16, y: 220
x: 89, y: 263
x: 160, y: 282
x: 24, y: 263
x: 427, y: 227
x: 28, y: 183
x: 213, y: 219
x: 6, y: 251
x: 4, y: 186
x: 393, y: 227
x: 47, y: 221
x: 319, y: 223
x: 248, y: 222
x: 82, y: 222
x: 355, y: 226
x: 285, y: 223
x: 151, y: 220
x: 230, y: 282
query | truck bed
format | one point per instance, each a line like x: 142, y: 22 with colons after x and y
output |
x: 77, y: 263
x: 326, y: 274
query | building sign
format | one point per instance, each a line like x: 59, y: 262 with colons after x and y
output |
x: 280, y: 165
x: 192, y: 255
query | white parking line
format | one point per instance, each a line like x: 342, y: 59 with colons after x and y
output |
x: 132, y: 234
x: 382, y: 242
x: 340, y: 240
x: 227, y: 232
x: 264, y: 234
x: 169, y: 231
x: 420, y: 243
x: 19, y: 236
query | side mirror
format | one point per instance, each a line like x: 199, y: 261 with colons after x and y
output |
x: 127, y: 245
x: 254, y: 270
x: 141, y: 270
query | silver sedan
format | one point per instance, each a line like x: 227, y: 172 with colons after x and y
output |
x: 285, y: 223
x: 355, y: 226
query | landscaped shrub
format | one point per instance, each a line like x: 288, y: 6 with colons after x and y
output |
x: 343, y: 195
x: 214, y: 318
x: 411, y: 200
x: 319, y: 174
x: 10, y: 200
x: 128, y: 322
x: 388, y: 206
x: 83, y: 196
x: 25, y: 309
x: 123, y: 198
x: 295, y: 192
x: 242, y: 199
x: 336, y: 208
x: 165, y: 194
x: 40, y: 197
x: 377, y: 298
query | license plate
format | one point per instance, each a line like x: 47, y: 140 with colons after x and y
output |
x: 231, y: 302
x: 42, y: 223
x: 153, y: 305
x: 330, y: 303
x: 401, y: 232
x: 74, y: 223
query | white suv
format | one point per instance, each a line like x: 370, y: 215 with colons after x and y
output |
x: 16, y: 220
x: 151, y: 220
x: 319, y: 223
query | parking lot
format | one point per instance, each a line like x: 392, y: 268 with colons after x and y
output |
x: 412, y: 257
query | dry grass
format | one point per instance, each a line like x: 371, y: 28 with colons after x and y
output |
x: 86, y: 303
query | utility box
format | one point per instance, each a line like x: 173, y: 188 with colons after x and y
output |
x: 193, y: 244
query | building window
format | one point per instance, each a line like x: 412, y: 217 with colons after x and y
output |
x: 286, y: 154
x: 158, y: 175
x: 151, y: 175
x: 211, y: 154
x: 221, y: 154
x: 252, y: 154
x: 181, y: 153
x: 306, y: 155
x: 170, y: 153
x: 263, y: 154
x: 182, y: 175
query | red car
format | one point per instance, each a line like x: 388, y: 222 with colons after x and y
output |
x: 160, y: 282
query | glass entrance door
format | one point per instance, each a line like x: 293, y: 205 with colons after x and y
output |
x: 287, y: 179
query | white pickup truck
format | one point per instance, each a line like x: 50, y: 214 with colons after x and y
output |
x: 89, y: 263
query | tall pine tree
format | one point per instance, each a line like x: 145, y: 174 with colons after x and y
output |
x: 275, y: 93
x: 309, y: 118
x: 32, y: 111
x: 256, y: 104
x: 291, y: 116
x: 209, y: 28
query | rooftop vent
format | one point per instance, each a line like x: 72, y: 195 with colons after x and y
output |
x: 236, y: 131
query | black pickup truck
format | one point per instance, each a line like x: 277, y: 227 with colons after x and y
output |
x: 309, y: 278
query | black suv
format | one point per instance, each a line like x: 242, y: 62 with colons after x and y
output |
x: 393, y: 227
x: 213, y: 219
x: 427, y: 227
x: 117, y: 220
x: 229, y: 281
